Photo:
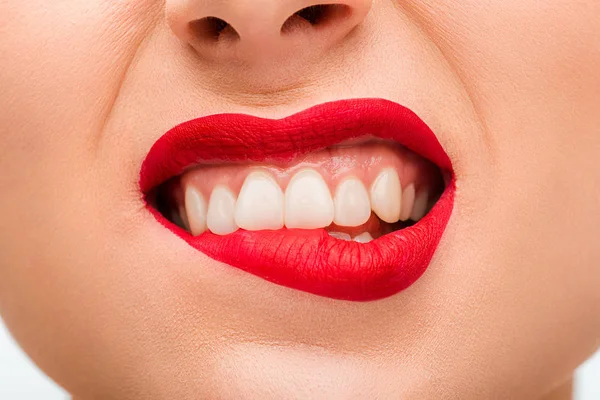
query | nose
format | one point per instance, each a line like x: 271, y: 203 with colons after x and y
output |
x: 251, y: 31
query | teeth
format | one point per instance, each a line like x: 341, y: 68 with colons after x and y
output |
x: 408, y: 200
x: 363, y: 238
x: 386, y: 195
x: 221, y: 210
x: 351, y: 201
x: 340, y: 235
x: 195, y: 208
x: 420, y: 207
x: 260, y: 203
x: 308, y: 203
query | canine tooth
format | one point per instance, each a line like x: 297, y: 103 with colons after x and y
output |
x: 408, y: 200
x: 340, y: 235
x: 363, y: 238
x: 420, y: 206
x: 386, y: 195
x: 308, y: 203
x: 351, y: 203
x: 221, y: 209
x: 195, y: 208
x: 260, y: 203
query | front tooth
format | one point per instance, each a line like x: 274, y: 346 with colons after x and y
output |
x: 340, y: 235
x: 221, y: 210
x: 363, y: 238
x: 420, y: 207
x: 408, y: 200
x: 351, y: 203
x: 260, y: 203
x: 386, y: 195
x: 195, y: 208
x: 308, y: 203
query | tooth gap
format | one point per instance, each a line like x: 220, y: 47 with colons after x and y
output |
x: 161, y: 200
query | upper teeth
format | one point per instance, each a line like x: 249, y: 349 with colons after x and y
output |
x: 386, y: 187
x: 260, y: 203
x: 307, y: 203
x: 221, y: 211
x: 352, y: 204
x: 195, y: 208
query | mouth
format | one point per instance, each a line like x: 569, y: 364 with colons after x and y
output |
x: 347, y: 200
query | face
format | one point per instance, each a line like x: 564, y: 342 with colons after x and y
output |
x: 112, y: 304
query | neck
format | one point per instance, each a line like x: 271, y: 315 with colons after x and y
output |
x: 563, y: 392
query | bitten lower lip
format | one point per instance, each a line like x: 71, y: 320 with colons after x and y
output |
x: 308, y: 260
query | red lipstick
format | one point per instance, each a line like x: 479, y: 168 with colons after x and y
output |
x: 308, y: 260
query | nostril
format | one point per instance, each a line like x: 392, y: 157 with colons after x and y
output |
x: 318, y: 15
x: 213, y: 29
x: 313, y: 14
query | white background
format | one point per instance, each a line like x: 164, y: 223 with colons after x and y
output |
x: 21, y: 380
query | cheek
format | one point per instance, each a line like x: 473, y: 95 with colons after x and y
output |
x: 66, y: 61
x: 533, y: 59
x: 528, y: 225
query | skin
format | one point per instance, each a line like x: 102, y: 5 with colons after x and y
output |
x: 111, y: 305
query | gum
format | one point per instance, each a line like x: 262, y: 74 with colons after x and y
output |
x: 364, y: 161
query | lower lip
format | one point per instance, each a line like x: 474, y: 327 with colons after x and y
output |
x: 311, y: 260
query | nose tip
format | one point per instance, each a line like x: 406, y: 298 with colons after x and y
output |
x: 251, y: 30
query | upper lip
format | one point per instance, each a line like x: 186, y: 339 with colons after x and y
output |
x: 241, y: 137
x: 322, y: 264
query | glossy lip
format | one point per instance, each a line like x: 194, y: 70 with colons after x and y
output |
x: 308, y: 260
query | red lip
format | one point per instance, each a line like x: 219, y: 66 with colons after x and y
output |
x: 308, y: 260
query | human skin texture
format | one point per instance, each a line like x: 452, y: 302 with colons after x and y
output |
x: 111, y: 305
